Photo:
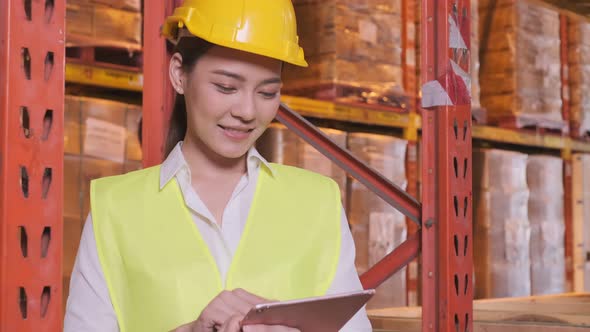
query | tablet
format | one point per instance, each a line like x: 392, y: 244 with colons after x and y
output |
x: 325, y: 313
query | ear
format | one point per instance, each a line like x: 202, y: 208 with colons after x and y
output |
x: 176, y: 73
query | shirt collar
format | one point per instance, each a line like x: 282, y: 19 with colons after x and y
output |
x: 175, y: 162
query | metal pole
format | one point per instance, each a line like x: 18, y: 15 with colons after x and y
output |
x: 157, y: 91
x: 31, y: 164
x: 447, y: 263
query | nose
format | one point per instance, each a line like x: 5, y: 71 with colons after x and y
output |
x: 245, y: 109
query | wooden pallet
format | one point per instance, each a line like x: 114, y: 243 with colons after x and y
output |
x: 530, y: 123
x: 579, y: 134
x: 355, y: 96
x: 553, y: 313
x: 106, y: 57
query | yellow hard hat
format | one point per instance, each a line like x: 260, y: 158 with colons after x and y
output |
x: 264, y: 27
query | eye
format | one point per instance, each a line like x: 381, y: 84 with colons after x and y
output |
x: 224, y: 88
x: 268, y: 95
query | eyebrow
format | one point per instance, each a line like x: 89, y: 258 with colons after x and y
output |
x: 243, y: 79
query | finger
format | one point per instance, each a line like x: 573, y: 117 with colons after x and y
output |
x: 235, y: 304
x: 232, y: 324
x: 249, y: 297
x: 215, y: 314
x: 268, y: 328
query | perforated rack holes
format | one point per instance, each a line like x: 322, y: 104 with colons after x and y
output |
x: 24, y: 181
x: 24, y: 241
x: 45, y: 241
x: 22, y: 302
x: 48, y: 66
x: 45, y: 300
x: 25, y: 121
x: 49, y: 6
x: 47, y: 124
x: 28, y: 9
x: 26, y: 57
x: 46, y: 185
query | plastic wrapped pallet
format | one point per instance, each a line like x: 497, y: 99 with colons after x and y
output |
x: 520, y: 64
x: 90, y: 24
x: 280, y: 145
x: 546, y: 205
x: 474, y: 49
x: 378, y: 228
x: 353, y: 49
x: 501, y: 224
x: 579, y: 74
x: 586, y: 220
x: 581, y: 222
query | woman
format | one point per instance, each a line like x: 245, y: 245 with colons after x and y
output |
x: 192, y: 244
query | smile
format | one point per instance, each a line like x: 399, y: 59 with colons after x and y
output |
x: 236, y: 133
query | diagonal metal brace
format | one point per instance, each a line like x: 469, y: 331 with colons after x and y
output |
x: 377, y: 183
x: 393, y: 262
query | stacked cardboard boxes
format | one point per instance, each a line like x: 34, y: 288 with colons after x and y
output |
x: 520, y: 63
x: 579, y: 76
x: 353, y: 49
x: 377, y: 227
x: 501, y: 228
x: 104, y: 23
x: 474, y: 49
x: 546, y: 207
x: 100, y: 139
x: 581, y: 222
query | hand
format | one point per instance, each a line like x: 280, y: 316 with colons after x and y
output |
x: 232, y: 324
x: 227, y: 308
x: 268, y: 328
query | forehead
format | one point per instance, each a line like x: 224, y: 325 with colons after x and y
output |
x: 249, y: 64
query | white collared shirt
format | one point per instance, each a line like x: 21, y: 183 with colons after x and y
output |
x: 89, y: 307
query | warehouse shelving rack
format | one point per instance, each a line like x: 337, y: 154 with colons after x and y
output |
x: 31, y: 150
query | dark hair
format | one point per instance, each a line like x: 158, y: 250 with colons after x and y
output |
x: 191, y: 49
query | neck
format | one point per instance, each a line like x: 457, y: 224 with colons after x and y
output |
x: 205, y: 163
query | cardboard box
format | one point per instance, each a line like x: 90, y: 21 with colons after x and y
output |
x: 134, y: 151
x: 89, y: 24
x: 72, y: 232
x: 104, y: 133
x: 72, y: 186
x: 130, y: 5
x: 72, y: 132
x: 131, y: 166
x: 94, y: 169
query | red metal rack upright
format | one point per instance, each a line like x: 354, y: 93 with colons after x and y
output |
x: 31, y: 164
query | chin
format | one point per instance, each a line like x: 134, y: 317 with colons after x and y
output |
x: 232, y: 152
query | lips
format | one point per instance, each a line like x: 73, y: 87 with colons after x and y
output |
x: 237, y: 133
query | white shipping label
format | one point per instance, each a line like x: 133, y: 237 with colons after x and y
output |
x: 368, y: 31
x: 105, y: 140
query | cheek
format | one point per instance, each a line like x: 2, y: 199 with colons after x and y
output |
x: 268, y: 112
x: 207, y: 105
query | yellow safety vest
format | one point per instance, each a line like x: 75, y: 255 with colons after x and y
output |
x: 161, y: 274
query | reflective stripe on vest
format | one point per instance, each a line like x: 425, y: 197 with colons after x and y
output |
x: 160, y: 272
